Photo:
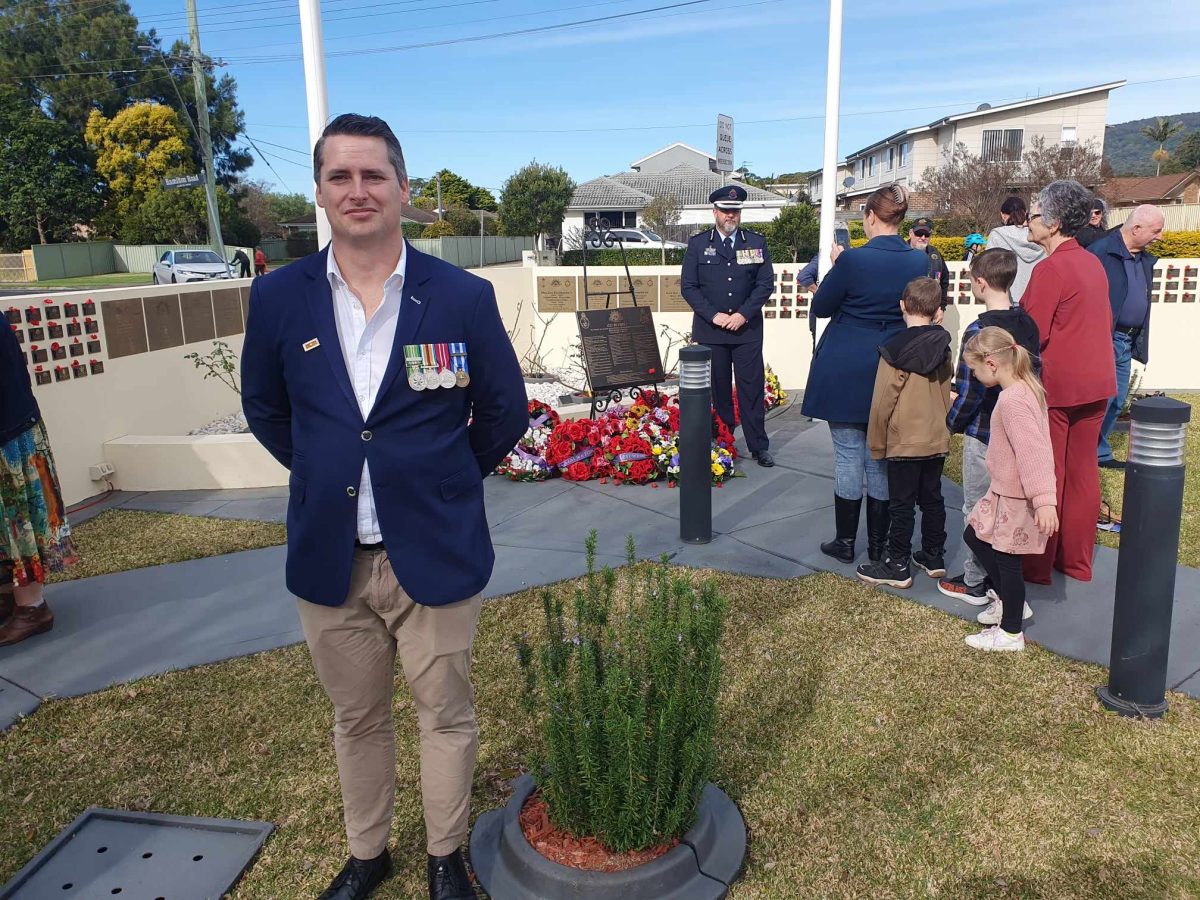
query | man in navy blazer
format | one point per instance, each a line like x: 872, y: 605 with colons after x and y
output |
x: 384, y: 380
x: 1130, y: 270
x: 726, y: 279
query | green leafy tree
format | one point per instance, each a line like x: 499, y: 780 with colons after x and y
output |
x: 438, y: 229
x: 797, y: 228
x: 466, y: 221
x: 662, y: 215
x: 181, y: 216
x: 534, y: 199
x: 267, y: 208
x: 456, y: 191
x: 1160, y: 132
x: 1188, y: 151
x: 48, y: 181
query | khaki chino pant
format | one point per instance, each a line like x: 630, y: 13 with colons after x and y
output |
x: 353, y: 649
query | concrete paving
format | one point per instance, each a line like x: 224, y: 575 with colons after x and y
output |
x: 116, y: 628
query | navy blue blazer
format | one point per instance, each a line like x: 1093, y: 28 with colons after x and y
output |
x: 713, y: 282
x: 1111, y: 252
x: 18, y: 407
x: 861, y: 293
x: 429, y: 450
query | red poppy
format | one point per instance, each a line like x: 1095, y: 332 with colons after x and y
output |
x: 578, y: 471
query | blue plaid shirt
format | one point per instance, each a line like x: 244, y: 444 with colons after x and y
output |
x: 971, y: 413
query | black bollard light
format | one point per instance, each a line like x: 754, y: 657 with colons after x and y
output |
x: 1145, y: 597
x: 695, y: 445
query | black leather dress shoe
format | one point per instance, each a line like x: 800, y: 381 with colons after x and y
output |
x: 1111, y: 464
x: 765, y: 459
x: 358, y: 878
x: 448, y: 878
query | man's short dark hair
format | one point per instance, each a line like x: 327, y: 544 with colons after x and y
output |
x: 922, y: 297
x: 998, y: 267
x: 361, y: 126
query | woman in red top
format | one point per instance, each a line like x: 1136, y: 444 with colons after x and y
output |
x: 1068, y: 298
x: 260, y: 262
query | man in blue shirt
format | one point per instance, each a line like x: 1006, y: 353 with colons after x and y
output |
x: 1130, y: 270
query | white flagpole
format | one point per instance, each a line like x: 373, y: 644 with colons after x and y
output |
x: 315, y: 88
x: 833, y: 91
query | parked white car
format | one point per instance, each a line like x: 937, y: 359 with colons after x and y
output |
x: 640, y: 238
x: 182, y: 266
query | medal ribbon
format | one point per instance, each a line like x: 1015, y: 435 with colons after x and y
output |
x: 443, y: 356
x: 427, y: 355
x: 412, y: 358
x: 458, y: 352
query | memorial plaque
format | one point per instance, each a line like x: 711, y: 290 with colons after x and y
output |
x: 603, y: 289
x: 164, y: 327
x: 557, y: 293
x: 646, y: 288
x: 227, y: 310
x: 198, y: 322
x: 125, y: 325
x: 245, y: 304
x: 620, y: 348
x: 670, y: 299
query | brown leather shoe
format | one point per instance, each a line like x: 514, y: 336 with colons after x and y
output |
x: 26, y: 621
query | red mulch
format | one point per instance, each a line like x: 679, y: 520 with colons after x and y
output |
x: 580, y: 853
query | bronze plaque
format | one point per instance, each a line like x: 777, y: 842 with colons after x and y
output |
x: 227, y: 310
x: 245, y: 304
x: 646, y: 290
x: 603, y: 291
x: 557, y: 293
x: 164, y: 327
x: 670, y: 299
x: 125, y: 326
x: 620, y: 348
x: 197, y: 317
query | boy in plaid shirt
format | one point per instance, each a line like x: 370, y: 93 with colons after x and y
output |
x: 992, y: 275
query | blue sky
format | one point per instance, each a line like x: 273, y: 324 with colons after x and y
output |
x: 594, y: 98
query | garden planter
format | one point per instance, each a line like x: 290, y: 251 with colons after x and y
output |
x: 708, y: 859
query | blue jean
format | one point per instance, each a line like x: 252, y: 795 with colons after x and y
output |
x: 1123, y: 355
x: 854, y: 467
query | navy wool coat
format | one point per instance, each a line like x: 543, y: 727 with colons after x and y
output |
x: 861, y: 294
x: 714, y: 281
x: 429, y: 450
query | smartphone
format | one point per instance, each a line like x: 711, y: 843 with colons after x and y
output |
x: 841, y: 235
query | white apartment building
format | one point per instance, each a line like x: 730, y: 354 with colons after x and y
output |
x: 992, y: 132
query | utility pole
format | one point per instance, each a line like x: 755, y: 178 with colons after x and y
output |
x: 438, y: 176
x: 201, y: 91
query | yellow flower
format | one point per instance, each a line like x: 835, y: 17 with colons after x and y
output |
x: 657, y: 451
x: 718, y: 469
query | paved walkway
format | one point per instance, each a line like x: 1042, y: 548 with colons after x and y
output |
x: 116, y: 628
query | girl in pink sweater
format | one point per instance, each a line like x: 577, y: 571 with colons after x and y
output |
x: 1018, y: 514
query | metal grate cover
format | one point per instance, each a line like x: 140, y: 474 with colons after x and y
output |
x: 140, y: 856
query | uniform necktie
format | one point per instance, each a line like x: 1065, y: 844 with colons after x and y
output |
x: 728, y: 243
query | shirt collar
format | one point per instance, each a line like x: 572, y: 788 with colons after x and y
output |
x: 334, y: 274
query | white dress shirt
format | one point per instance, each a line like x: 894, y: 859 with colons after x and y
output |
x: 367, y: 349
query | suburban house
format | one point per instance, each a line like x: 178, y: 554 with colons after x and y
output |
x: 1159, y: 190
x: 993, y: 132
x: 677, y: 171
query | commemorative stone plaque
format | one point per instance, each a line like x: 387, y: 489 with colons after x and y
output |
x: 601, y: 290
x: 164, y: 327
x: 557, y: 293
x: 620, y: 348
x: 227, y: 309
x: 197, y: 317
x: 671, y: 299
x: 645, y: 288
x: 125, y: 325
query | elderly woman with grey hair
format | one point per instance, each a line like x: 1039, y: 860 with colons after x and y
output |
x: 1068, y: 298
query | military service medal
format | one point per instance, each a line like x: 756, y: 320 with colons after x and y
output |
x: 429, y: 368
x: 412, y: 364
x: 445, y: 373
x: 458, y: 356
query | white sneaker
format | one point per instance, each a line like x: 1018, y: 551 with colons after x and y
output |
x: 994, y: 612
x: 996, y: 639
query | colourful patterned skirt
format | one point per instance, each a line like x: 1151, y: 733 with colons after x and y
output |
x: 36, y: 537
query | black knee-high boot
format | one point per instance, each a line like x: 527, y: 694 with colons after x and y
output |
x: 846, y: 514
x: 878, y: 521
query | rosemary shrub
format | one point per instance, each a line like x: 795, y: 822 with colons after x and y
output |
x: 625, y: 691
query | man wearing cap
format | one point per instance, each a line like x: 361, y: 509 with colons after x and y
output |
x: 918, y: 239
x: 727, y: 277
x: 1097, y: 226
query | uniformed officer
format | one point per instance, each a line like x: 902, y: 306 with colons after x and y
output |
x: 918, y: 239
x: 727, y: 277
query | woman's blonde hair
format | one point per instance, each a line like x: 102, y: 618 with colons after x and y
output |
x: 999, y: 344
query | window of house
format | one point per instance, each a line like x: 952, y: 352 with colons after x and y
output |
x: 891, y: 158
x: 1002, y: 145
x: 862, y: 168
x: 903, y: 155
x: 1069, y: 135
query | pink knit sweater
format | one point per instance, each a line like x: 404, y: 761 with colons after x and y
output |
x: 1019, y: 457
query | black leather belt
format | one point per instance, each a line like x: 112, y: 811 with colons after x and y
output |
x: 373, y: 548
x: 1131, y: 330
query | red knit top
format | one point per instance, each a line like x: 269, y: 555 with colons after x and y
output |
x: 1068, y: 298
x: 1019, y: 456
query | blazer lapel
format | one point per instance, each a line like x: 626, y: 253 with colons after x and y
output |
x: 320, y: 307
x: 413, y: 304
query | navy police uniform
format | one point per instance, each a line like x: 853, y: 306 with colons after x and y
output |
x: 731, y: 275
x: 938, y: 270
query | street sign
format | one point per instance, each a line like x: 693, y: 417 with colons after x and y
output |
x: 182, y: 181
x: 724, y: 144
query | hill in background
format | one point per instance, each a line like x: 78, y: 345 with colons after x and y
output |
x: 1128, y: 151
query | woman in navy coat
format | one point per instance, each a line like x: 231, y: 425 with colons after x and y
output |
x: 861, y: 294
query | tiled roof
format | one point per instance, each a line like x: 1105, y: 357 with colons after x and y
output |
x: 632, y: 190
x: 1145, y: 190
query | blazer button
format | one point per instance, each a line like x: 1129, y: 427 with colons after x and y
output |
x: 366, y: 435
x: 351, y: 492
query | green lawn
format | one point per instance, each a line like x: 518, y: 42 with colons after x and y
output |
x: 83, y: 282
x: 872, y: 754
x: 1112, y: 485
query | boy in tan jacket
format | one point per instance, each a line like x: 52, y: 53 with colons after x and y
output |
x: 908, y: 429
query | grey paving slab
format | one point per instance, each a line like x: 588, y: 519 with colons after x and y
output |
x: 729, y: 554
x: 93, y: 506
x: 223, y: 495
x: 506, y: 499
x: 267, y: 510
x: 1190, y: 686
x: 15, y: 702
x: 115, y: 628
x: 518, y: 568
x: 150, y: 503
